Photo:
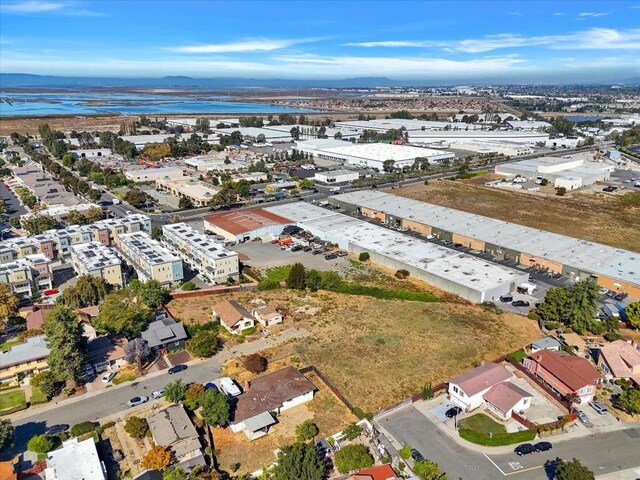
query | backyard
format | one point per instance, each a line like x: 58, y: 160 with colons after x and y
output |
x: 595, y: 217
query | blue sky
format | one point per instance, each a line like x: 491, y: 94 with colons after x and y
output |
x: 537, y: 41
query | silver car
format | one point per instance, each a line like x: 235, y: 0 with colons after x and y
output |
x: 135, y: 401
x: 583, y: 417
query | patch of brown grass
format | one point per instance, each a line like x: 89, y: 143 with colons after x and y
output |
x: 591, y: 217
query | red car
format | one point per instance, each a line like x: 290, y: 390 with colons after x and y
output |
x: 52, y: 291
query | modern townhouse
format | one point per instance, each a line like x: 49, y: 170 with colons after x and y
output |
x: 96, y: 260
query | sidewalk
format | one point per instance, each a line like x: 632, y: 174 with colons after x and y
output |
x: 631, y: 474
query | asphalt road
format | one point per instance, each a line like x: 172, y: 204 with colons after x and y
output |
x: 603, y: 452
x: 111, y: 401
x: 11, y: 201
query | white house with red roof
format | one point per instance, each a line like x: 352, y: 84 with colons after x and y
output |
x: 504, y: 398
x: 467, y: 390
x: 620, y: 360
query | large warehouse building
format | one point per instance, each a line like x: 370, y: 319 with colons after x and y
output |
x: 469, y: 277
x: 371, y: 155
x: 242, y: 225
x: 612, y: 268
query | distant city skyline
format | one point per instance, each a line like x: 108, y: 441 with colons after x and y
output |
x: 520, y: 42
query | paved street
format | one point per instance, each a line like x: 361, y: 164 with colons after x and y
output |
x: 604, y: 453
x: 103, y: 403
x: 11, y: 201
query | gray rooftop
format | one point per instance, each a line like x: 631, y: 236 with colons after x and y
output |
x: 32, y: 349
x: 573, y: 252
x: 172, y: 427
x: 146, y: 248
x: 546, y: 343
x: 164, y: 331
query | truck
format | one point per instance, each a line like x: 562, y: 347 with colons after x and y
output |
x: 229, y: 387
x: 334, y: 189
x: 117, y: 201
x: 527, y: 288
x: 610, y: 309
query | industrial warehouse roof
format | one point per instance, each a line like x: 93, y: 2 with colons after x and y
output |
x: 581, y: 254
x: 244, y: 221
x: 382, y: 151
x: 471, y: 272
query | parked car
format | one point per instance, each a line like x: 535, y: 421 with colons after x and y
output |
x: 341, y: 254
x: 583, y: 417
x: 416, y: 455
x: 452, y: 412
x: 620, y: 296
x: 543, y: 446
x: 330, y: 256
x: 611, y: 294
x: 108, y: 377
x: 603, y: 291
x: 598, y: 407
x: 56, y: 429
x: 506, y: 298
x: 158, y: 393
x: 177, y: 369
x: 520, y: 303
x: 524, y: 449
x: 212, y: 385
x: 135, y: 401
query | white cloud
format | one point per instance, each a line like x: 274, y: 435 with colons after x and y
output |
x: 32, y: 6
x: 591, y: 39
x: 515, y: 14
x: 584, y: 15
x: 558, y: 14
x: 255, y: 45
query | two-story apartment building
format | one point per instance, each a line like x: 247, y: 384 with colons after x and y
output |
x: 568, y: 375
x: 24, y: 359
x: 27, y: 275
x: 149, y: 258
x: 96, y: 260
x: 213, y: 261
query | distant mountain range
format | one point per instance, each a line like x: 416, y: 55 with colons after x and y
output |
x: 43, y: 81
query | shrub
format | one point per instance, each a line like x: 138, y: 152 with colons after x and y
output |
x: 427, y: 392
x: 402, y: 274
x: 364, y: 256
x: 136, y: 427
x: 306, y: 430
x: 544, y: 182
x: 41, y: 444
x: 204, y: 343
x: 560, y: 191
x: 158, y: 457
x: 234, y: 467
x: 189, y: 286
x: 405, y: 452
x: 352, y: 431
x: 517, y: 356
x: 48, y: 383
x: 361, y: 414
x: 352, y: 457
x: 82, y: 428
x: 255, y: 363
x: 249, y: 331
x: 533, y: 316
x: 193, y: 396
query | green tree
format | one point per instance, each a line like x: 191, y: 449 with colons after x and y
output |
x: 296, y: 278
x: 87, y: 291
x: 405, y: 452
x: 136, y: 427
x: 74, y: 217
x: 175, y: 473
x: 629, y: 401
x: 202, y: 125
x: 561, y: 191
x: 301, y: 461
x: 306, y: 431
x: 583, y: 306
x: 573, y: 470
x: 631, y: 312
x: 41, y: 444
x: 7, y: 434
x: 555, y: 305
x: 37, y: 223
x: 185, y: 203
x: 352, y: 457
x: 312, y: 280
x: 151, y: 293
x: 364, y: 256
x: 175, y: 391
x: 193, y: 396
x: 428, y: 470
x: 305, y: 184
x: 204, y: 343
x: 66, y: 343
x: 388, y: 166
x: 8, y: 304
x: 122, y: 314
x: 215, y: 408
x: 93, y: 214
x: 47, y: 382
x: 189, y: 286
x: 352, y: 431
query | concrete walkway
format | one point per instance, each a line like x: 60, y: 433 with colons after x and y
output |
x: 631, y: 474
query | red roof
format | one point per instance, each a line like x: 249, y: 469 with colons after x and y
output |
x: 480, y: 378
x: 505, y: 396
x: 382, y: 472
x: 574, y: 372
x: 244, y: 221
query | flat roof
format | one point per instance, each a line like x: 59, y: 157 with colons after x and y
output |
x: 472, y: 272
x: 383, y: 151
x: 336, y: 173
x: 146, y: 248
x: 190, y: 187
x: 244, y: 221
x: 573, y: 252
x: 75, y: 460
x: 197, y: 241
x: 94, y: 255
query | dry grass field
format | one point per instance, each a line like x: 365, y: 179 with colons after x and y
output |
x: 26, y: 125
x: 593, y: 217
x: 379, y: 351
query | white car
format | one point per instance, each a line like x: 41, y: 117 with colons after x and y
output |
x: 108, y: 377
x: 135, y: 401
x: 158, y: 393
x: 603, y: 291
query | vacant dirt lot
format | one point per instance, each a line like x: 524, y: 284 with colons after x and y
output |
x: 379, y: 351
x: 597, y: 218
x: 26, y: 125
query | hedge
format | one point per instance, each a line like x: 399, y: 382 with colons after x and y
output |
x: 498, y: 439
x: 349, y: 288
x: 82, y: 428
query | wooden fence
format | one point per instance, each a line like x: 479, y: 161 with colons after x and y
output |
x: 217, y: 290
x: 330, y: 386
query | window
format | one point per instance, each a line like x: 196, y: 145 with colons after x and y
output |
x: 455, y: 389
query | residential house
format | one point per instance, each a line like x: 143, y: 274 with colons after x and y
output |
x: 504, y: 398
x: 381, y: 472
x: 620, y: 360
x: 267, y: 315
x: 24, y: 359
x: 467, y: 390
x: 567, y: 375
x: 149, y: 474
x: 37, y: 316
x: 172, y: 428
x: 269, y: 395
x: 75, y: 460
x: 545, y: 343
x: 575, y: 342
x: 165, y: 334
x: 233, y: 316
x: 85, y: 317
x: 106, y: 353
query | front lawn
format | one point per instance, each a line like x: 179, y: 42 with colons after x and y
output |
x: 483, y: 430
x: 6, y: 345
x: 12, y: 401
x: 37, y: 396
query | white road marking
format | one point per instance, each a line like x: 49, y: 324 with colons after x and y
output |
x: 494, y: 464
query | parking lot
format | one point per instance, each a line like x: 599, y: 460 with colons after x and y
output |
x: 267, y: 255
